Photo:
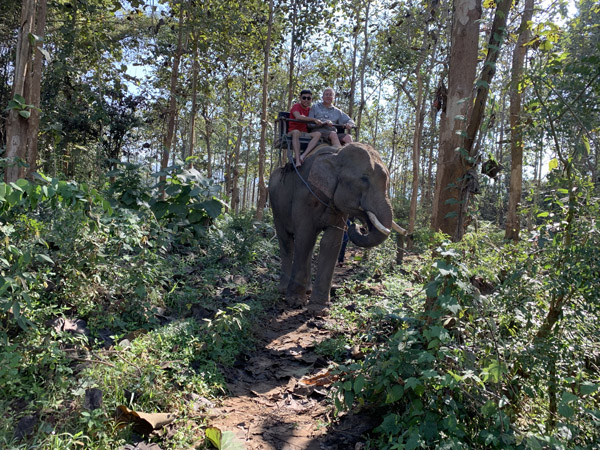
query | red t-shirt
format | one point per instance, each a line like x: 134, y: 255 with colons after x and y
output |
x: 298, y: 125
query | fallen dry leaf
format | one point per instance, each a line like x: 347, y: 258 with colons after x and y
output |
x: 324, y: 378
x: 143, y: 423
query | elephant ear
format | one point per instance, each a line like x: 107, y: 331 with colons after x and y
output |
x: 323, y: 174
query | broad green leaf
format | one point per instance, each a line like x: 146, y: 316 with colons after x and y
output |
x: 230, y: 442
x: 412, y: 383
x: 553, y: 164
x: 394, y: 394
x: 212, y: 207
x: 413, y: 440
x: 214, y: 436
x: 565, y: 410
x: 359, y: 383
x: 43, y: 258
x: 588, y: 388
x: 586, y: 143
x: 489, y: 408
x: 19, y: 99
x: 430, y: 373
x: 494, y: 372
x: 348, y: 399
x: 533, y: 443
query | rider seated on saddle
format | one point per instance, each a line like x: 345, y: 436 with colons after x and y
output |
x: 329, y: 116
x: 300, y: 112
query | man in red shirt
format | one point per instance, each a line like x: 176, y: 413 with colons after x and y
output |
x: 296, y: 127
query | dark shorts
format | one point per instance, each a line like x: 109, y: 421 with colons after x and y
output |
x: 326, y: 130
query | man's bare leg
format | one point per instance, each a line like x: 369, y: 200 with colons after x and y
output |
x: 296, y: 146
x: 335, y: 141
x: 311, y: 145
x: 347, y: 139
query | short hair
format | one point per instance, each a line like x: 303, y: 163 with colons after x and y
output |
x: 329, y: 89
x: 305, y: 91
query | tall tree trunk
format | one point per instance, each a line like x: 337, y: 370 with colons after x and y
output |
x: 23, y: 122
x: 192, y: 130
x: 394, y: 156
x: 353, y: 76
x: 429, y: 190
x: 262, y: 190
x: 463, y: 65
x: 419, y: 115
x: 246, y: 168
x: 363, y: 68
x: 468, y: 181
x: 207, y: 138
x: 513, y: 222
x: 172, y: 111
x: 292, y: 62
x: 377, y: 114
x: 455, y: 180
x: 235, y: 162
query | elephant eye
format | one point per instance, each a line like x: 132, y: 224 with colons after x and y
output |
x: 364, y: 179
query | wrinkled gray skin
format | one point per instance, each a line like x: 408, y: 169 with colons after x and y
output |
x: 351, y: 181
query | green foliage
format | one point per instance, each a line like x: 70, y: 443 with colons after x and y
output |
x: 19, y: 104
x: 68, y: 254
x: 501, y: 355
x: 189, y: 203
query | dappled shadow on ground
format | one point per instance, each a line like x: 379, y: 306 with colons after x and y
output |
x: 280, y: 394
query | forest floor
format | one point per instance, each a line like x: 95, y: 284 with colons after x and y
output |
x: 280, y: 396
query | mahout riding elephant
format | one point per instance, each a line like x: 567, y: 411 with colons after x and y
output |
x: 319, y: 196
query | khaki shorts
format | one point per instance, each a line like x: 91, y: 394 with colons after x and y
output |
x: 302, y: 134
x: 326, y: 130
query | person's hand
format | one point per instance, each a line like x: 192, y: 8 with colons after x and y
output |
x: 348, y: 125
x: 329, y: 123
x: 318, y: 122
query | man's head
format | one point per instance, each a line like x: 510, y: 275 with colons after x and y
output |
x: 305, y: 98
x: 328, y: 96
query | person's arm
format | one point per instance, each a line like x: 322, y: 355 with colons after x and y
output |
x: 346, y: 120
x: 296, y: 114
x: 315, y: 122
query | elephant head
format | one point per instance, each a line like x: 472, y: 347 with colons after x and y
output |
x: 356, y: 181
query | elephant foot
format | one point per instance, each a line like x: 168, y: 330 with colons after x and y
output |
x: 296, y: 302
x: 318, y: 309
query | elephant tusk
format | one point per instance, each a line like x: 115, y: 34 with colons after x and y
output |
x: 375, y: 221
x: 397, y: 228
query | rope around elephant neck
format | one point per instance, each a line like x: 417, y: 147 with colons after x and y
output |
x: 345, y: 228
x: 308, y: 187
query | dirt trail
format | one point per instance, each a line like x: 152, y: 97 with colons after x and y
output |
x: 271, y: 406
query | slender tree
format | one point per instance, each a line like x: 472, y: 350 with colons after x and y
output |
x: 172, y: 110
x: 24, y: 118
x: 262, y: 189
x: 513, y: 223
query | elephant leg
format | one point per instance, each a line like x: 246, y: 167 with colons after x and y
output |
x: 286, y: 253
x: 299, y: 281
x: 328, y: 254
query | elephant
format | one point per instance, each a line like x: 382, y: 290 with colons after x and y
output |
x: 331, y: 186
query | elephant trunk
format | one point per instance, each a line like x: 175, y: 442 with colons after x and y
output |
x: 378, y: 221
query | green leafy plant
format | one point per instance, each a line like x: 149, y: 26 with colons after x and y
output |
x: 19, y: 104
